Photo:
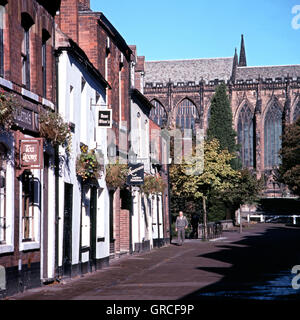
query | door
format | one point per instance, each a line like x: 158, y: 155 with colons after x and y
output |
x: 93, y: 224
x: 111, y: 223
x: 67, y: 234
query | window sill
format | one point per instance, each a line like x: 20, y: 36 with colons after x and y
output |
x: 6, y: 248
x: 24, y: 246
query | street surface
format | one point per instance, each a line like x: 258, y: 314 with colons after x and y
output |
x: 256, y: 264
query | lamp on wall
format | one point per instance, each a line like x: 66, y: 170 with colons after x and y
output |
x: 132, y: 156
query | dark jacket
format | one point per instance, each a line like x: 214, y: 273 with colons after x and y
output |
x: 181, y: 223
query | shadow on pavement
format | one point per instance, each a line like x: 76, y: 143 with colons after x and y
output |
x: 260, y: 268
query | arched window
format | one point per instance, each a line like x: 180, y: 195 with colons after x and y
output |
x: 158, y: 114
x: 296, y: 114
x: 245, y: 136
x: 186, y: 115
x: 272, y: 132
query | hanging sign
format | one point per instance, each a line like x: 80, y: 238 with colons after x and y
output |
x: 105, y: 118
x: 135, y: 174
x: 31, y: 153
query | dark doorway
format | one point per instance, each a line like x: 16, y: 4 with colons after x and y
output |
x: 67, y: 240
x: 93, y: 225
x: 111, y: 223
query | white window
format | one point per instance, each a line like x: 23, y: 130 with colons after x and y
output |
x: 30, y: 210
x: 6, y: 199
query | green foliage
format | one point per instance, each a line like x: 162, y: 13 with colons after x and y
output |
x: 87, y: 165
x: 8, y: 108
x: 54, y: 129
x: 246, y: 189
x: 116, y: 175
x: 216, y: 208
x: 223, y: 187
x: 289, y: 170
x: 217, y: 173
x: 153, y: 185
x: 220, y: 123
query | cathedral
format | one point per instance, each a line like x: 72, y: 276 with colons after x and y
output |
x: 263, y: 99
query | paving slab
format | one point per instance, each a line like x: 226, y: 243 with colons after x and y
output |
x: 229, y: 267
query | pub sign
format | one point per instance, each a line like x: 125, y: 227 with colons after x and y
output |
x: 135, y: 174
x: 105, y: 118
x: 31, y: 153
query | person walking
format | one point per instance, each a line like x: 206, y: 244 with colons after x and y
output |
x: 180, y: 227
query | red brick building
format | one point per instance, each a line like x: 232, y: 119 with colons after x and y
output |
x: 109, y: 53
x: 27, y: 71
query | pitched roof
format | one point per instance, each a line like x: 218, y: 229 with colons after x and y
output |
x: 188, y: 70
x: 265, y: 72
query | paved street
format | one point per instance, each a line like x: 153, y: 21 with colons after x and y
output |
x: 256, y: 264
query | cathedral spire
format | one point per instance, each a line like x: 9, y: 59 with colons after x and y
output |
x: 243, y: 61
x: 234, y: 65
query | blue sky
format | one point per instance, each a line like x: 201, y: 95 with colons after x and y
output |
x: 173, y: 29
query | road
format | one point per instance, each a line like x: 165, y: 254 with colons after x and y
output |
x: 253, y: 265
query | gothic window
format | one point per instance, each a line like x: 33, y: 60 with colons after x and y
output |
x: 158, y: 114
x: 296, y: 114
x: 245, y: 136
x: 186, y: 115
x: 3, y: 153
x: 272, y: 133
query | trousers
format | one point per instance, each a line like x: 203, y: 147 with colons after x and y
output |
x: 181, y: 235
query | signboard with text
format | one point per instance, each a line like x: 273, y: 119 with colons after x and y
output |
x: 105, y: 118
x: 27, y: 119
x: 135, y: 174
x: 31, y: 153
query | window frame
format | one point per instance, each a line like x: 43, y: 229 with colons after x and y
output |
x: 245, y: 133
x: 158, y: 114
x: 272, y: 128
x: 25, y: 57
x: 186, y: 114
x: 34, y: 206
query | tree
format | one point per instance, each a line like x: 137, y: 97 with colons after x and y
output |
x: 220, y: 123
x: 217, y: 175
x: 289, y: 170
x: 246, y: 189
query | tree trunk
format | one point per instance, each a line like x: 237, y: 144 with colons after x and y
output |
x: 204, y: 219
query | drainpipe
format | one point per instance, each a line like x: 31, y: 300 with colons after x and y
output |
x: 129, y: 147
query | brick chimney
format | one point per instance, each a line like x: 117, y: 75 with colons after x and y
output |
x: 68, y: 19
x: 84, y: 5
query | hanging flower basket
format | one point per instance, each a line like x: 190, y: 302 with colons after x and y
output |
x: 153, y: 185
x: 8, y: 108
x: 116, y: 175
x: 88, y: 167
x: 54, y: 129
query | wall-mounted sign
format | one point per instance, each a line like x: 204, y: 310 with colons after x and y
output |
x: 105, y: 118
x: 31, y: 153
x: 27, y: 119
x: 135, y: 174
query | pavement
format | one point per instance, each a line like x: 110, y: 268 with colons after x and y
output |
x: 255, y: 264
